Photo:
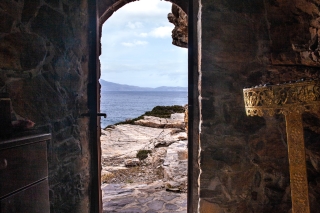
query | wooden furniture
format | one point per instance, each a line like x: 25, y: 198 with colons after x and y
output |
x: 24, y: 175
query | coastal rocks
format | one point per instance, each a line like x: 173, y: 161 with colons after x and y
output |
x: 131, y: 162
x: 180, y: 32
x: 167, y: 150
x: 175, y: 121
x: 125, y: 140
x: 133, y: 182
x: 186, y: 118
x: 142, y: 198
x: 176, y: 166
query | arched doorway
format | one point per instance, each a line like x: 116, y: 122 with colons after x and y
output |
x: 106, y: 9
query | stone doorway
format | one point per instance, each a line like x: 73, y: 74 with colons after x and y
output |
x: 167, y: 202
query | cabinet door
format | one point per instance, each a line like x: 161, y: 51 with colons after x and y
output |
x: 34, y: 199
x: 24, y: 165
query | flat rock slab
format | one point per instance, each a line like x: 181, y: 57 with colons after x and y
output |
x: 176, y: 166
x: 125, y: 140
x: 120, y: 144
x: 175, y: 121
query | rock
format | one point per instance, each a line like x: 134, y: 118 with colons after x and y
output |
x: 177, y: 116
x: 112, y: 126
x: 48, y: 27
x: 29, y: 9
x: 180, y: 20
x: 173, y: 189
x: 125, y: 140
x: 172, y: 184
x: 131, y: 162
x: 176, y: 166
x: 22, y: 51
x: 167, y: 140
x: 5, y: 27
x: 175, y: 121
x: 122, y: 143
x: 156, y: 205
x: 171, y: 207
x: 186, y: 118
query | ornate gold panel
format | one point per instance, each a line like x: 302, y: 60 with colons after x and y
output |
x: 297, y: 163
x: 292, y: 100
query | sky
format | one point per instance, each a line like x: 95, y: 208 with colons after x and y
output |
x: 137, y: 47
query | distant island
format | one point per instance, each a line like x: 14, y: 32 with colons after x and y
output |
x: 109, y: 86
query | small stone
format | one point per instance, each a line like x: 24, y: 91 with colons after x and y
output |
x: 151, y: 211
x: 173, y: 189
x: 156, y: 205
x: 121, y: 202
x: 131, y: 210
x: 176, y: 212
x: 176, y: 122
x: 169, y: 197
x: 170, y: 206
x: 145, y: 199
x: 131, y: 162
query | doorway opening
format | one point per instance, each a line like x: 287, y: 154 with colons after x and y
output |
x: 150, y: 157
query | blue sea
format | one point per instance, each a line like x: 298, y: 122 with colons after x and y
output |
x: 123, y: 105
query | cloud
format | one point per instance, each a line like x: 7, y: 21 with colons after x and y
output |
x: 134, y: 43
x: 137, y: 47
x: 143, y: 35
x: 161, y: 32
x: 134, y: 25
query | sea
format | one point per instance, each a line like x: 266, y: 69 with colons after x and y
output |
x: 123, y: 105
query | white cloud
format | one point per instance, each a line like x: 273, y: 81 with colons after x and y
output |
x: 137, y: 49
x: 134, y: 25
x: 134, y: 43
x: 161, y: 32
x: 143, y: 35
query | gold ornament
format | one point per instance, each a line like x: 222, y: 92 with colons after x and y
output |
x: 291, y: 100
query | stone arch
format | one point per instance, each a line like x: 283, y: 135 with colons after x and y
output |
x: 107, y: 7
x: 178, y: 17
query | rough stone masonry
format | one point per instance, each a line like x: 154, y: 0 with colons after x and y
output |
x: 242, y: 161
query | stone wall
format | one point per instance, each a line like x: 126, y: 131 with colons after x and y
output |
x: 243, y: 160
x: 44, y: 68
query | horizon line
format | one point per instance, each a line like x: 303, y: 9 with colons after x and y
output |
x: 143, y: 86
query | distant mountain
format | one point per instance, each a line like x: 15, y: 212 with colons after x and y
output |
x: 109, y: 86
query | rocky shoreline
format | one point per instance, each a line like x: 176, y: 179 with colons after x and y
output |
x: 161, y: 170
x: 164, y: 138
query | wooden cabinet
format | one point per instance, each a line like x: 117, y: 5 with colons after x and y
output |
x: 24, y: 175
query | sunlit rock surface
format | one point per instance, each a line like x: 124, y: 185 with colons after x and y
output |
x: 168, y: 152
x: 175, y: 121
x: 180, y: 32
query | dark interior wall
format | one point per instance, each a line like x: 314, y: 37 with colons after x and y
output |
x: 243, y: 160
x: 44, y: 68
